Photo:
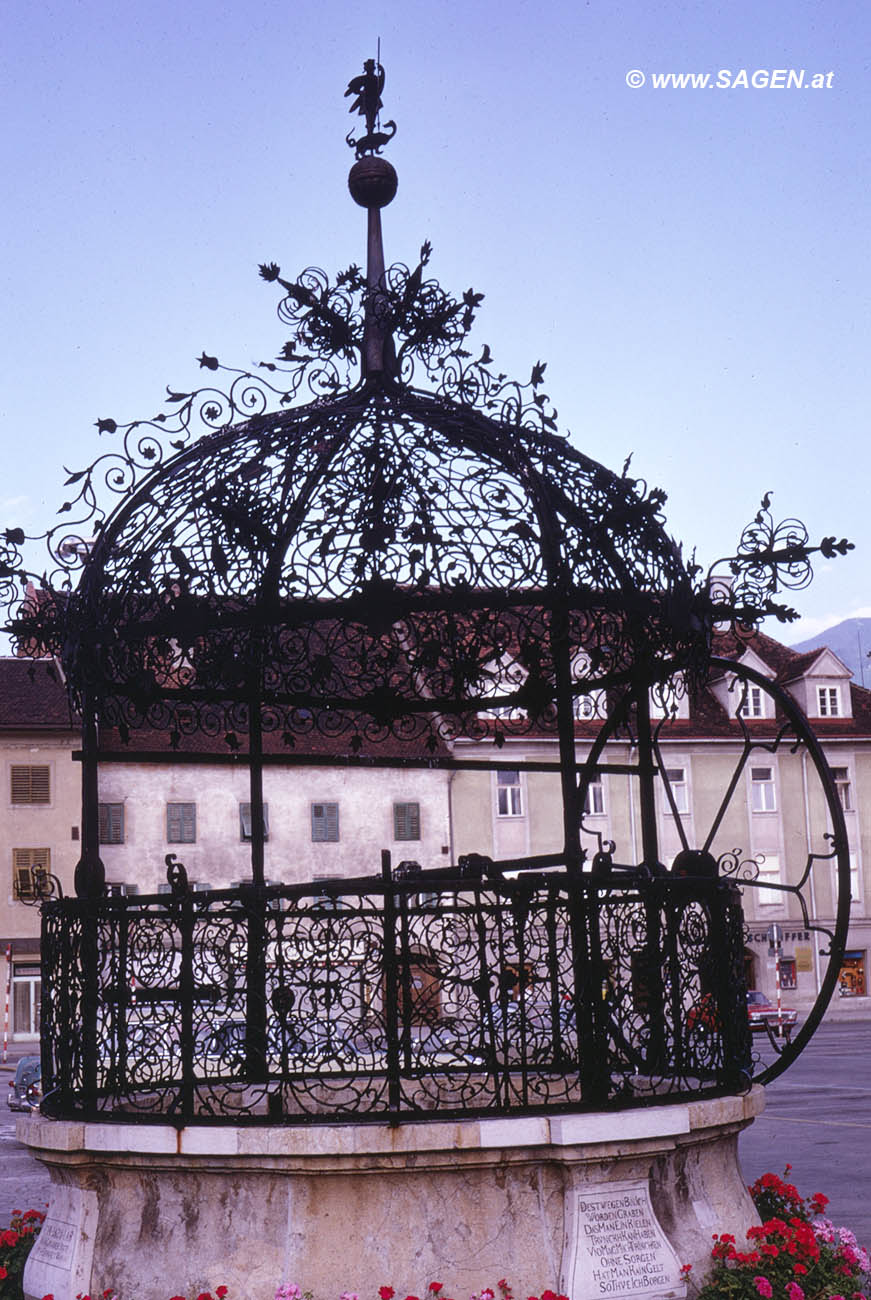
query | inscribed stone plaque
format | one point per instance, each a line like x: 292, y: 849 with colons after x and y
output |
x: 616, y: 1247
x: 60, y: 1262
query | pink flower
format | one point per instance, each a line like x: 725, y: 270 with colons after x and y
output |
x: 763, y: 1287
x: 386, y: 1292
x: 794, y: 1291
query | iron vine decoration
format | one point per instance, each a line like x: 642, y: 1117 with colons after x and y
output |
x: 432, y: 329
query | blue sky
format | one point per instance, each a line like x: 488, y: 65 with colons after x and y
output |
x: 692, y: 264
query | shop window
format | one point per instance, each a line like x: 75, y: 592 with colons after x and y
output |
x: 788, y: 973
x: 26, y: 999
x: 30, y: 785
x: 852, y: 979
x: 111, y: 823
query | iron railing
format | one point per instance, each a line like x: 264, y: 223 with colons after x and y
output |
x: 409, y: 995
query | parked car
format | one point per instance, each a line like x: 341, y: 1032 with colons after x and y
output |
x: 25, y: 1090
x: 762, y: 1013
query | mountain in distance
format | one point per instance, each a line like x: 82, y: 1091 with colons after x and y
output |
x: 851, y: 642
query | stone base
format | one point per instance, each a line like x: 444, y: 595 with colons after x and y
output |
x: 593, y: 1205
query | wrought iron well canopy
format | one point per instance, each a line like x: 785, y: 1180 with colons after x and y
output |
x: 373, y: 548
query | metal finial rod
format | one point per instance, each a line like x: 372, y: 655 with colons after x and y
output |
x: 373, y: 183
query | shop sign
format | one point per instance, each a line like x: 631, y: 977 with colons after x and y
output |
x: 762, y: 936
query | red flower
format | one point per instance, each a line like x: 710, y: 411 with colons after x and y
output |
x: 220, y: 1292
x: 386, y: 1292
x: 179, y: 1297
x: 9, y: 1237
x: 3, y: 1273
x: 435, y: 1287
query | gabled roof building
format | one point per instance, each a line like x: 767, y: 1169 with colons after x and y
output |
x: 327, y: 822
x: 731, y: 783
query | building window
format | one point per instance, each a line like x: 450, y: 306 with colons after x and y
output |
x: 769, y: 874
x: 762, y: 790
x: 855, y: 881
x: 851, y: 981
x: 181, y: 823
x: 788, y: 975
x: 30, y: 785
x: 753, y: 702
x: 591, y: 706
x: 26, y: 998
x: 27, y: 865
x: 509, y: 796
x: 676, y: 778
x: 117, y: 889
x: 245, y: 821
x: 406, y: 821
x: 594, y: 799
x: 111, y: 823
x: 841, y: 777
x: 325, y: 823
x: 828, y: 702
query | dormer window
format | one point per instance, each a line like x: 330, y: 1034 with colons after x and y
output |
x: 828, y: 702
x: 590, y: 707
x: 753, y: 702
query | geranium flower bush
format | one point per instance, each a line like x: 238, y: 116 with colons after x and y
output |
x: 290, y: 1291
x: 795, y: 1254
x: 435, y: 1291
x: 15, y: 1245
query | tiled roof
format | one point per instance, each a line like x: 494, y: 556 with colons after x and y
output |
x: 314, y: 743
x: 32, y: 696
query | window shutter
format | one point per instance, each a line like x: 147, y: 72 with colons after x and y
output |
x: 406, y: 821
x: 30, y: 785
x: 111, y: 823
x: 325, y: 822
x: 24, y: 863
x: 181, y: 823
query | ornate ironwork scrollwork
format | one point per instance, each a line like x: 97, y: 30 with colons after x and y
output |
x: 419, y: 996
